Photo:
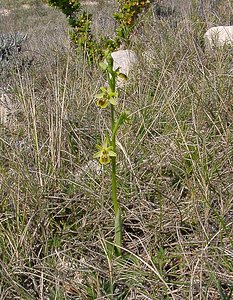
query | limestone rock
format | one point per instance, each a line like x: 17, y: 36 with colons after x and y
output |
x: 219, y: 36
x: 124, y: 59
x: 5, y: 105
x: 8, y: 110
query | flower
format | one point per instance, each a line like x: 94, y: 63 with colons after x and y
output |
x: 105, y: 152
x: 102, y: 102
x: 107, y: 96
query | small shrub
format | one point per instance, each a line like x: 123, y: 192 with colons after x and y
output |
x: 81, y: 35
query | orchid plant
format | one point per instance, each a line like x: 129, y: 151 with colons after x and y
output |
x: 108, y: 98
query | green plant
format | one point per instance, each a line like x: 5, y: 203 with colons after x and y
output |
x: 127, y: 17
x: 107, y: 152
x: 80, y: 23
x: 81, y: 35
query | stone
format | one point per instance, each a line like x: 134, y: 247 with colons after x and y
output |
x: 4, y: 108
x: 125, y: 60
x: 3, y: 114
x: 8, y: 110
x: 219, y: 36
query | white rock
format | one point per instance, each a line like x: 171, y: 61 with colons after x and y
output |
x: 218, y: 36
x: 8, y: 110
x: 5, y: 106
x: 3, y: 114
x: 124, y: 59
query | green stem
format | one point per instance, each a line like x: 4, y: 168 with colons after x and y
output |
x: 118, y: 221
x: 116, y: 204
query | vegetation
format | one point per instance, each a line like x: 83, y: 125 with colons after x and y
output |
x: 80, y: 23
x: 174, y: 163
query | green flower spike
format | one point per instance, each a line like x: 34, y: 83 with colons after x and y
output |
x: 107, y: 96
x: 105, y: 153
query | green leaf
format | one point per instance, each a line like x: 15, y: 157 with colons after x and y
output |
x: 98, y: 147
x: 99, y: 96
x: 112, y: 153
x: 97, y: 154
x: 103, y: 66
x: 109, y: 90
x: 113, y: 101
x: 124, y: 117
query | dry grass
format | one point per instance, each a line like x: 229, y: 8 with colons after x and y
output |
x: 175, y: 170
